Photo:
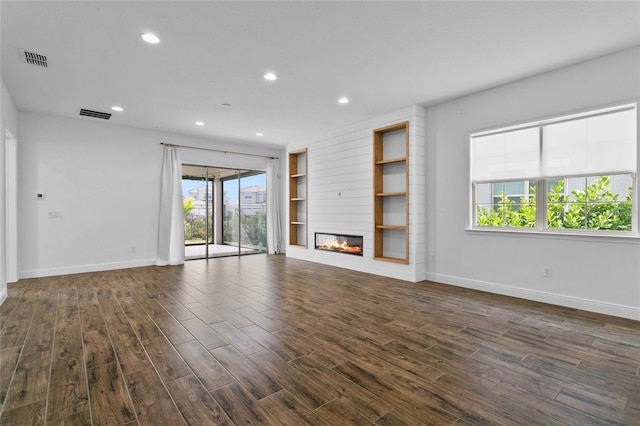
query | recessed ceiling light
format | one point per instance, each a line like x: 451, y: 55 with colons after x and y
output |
x: 199, y: 123
x: 117, y: 108
x: 150, y: 38
x: 270, y: 76
x: 343, y: 100
x: 259, y: 134
x: 226, y: 106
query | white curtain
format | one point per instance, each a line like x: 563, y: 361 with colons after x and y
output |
x: 171, y: 223
x: 274, y: 229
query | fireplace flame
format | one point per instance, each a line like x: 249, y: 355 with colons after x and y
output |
x: 342, y: 247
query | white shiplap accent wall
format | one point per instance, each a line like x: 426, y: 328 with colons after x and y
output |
x: 340, y: 194
x: 417, y: 193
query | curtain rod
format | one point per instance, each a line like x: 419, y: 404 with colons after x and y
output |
x: 219, y: 150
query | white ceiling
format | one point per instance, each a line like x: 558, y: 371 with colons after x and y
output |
x: 382, y: 55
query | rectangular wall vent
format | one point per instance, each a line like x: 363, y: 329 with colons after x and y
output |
x: 95, y: 114
x: 33, y: 58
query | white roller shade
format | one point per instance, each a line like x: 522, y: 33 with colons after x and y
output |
x: 604, y: 142
x: 504, y: 156
x: 599, y: 144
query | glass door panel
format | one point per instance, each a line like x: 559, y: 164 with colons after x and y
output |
x: 253, y: 212
x: 231, y: 219
x: 197, y: 193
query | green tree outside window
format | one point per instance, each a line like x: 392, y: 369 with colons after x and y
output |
x: 597, y: 207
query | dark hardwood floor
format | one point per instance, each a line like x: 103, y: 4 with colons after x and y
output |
x: 272, y: 340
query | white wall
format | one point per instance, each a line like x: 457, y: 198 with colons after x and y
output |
x: 104, y: 180
x: 340, y: 194
x: 597, y: 274
x: 8, y: 126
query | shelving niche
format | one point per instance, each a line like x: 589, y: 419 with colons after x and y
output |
x: 391, y: 193
x: 298, y: 198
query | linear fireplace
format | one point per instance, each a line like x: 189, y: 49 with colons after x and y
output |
x: 350, y: 244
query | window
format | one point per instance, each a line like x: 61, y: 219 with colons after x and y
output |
x: 575, y: 172
x: 506, y: 204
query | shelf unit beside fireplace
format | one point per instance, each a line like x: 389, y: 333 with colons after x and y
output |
x: 298, y: 198
x: 391, y: 193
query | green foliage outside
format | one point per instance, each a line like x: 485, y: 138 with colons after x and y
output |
x: 254, y: 229
x: 194, y: 227
x: 230, y: 229
x: 195, y: 231
x: 596, y: 208
x: 187, y: 206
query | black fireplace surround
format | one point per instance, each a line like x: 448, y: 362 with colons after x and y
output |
x: 339, y: 243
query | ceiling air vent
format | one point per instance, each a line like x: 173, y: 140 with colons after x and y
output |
x: 95, y: 114
x: 33, y: 58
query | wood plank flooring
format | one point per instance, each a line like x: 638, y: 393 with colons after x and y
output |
x: 272, y: 340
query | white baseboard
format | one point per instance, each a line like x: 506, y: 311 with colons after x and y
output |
x: 79, y: 269
x: 3, y: 296
x: 623, y: 311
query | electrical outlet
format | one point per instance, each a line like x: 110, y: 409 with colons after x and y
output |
x: 433, y: 257
x: 133, y: 249
x: 547, y: 272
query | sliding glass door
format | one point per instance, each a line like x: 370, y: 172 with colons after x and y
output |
x: 245, y: 211
x: 224, y: 211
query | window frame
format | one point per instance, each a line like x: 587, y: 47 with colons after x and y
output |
x: 541, y: 206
